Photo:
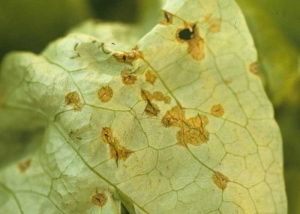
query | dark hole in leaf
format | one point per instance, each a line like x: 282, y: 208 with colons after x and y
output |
x: 186, y: 34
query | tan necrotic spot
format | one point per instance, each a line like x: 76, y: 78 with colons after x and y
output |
x: 105, y: 94
x: 150, y: 77
x: 117, y: 151
x: 99, y: 199
x: 253, y: 68
x: 192, y: 130
x: 214, y: 23
x: 128, y: 57
x: 127, y: 77
x: 174, y: 117
x: 152, y: 109
x: 168, y: 19
x: 220, y: 180
x: 217, y: 110
x: 24, y: 166
x: 73, y: 99
x: 190, y: 35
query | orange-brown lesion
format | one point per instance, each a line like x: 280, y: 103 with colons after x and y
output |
x: 190, y: 35
x: 151, y: 108
x: 217, y: 110
x: 128, y: 57
x: 150, y: 77
x: 105, y: 94
x: 99, y: 199
x: 73, y: 99
x: 220, y: 180
x: 253, y: 67
x: 214, y: 23
x: 117, y: 151
x: 192, y: 131
x: 127, y: 77
x: 25, y: 165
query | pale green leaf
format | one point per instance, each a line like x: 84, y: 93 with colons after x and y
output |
x: 174, y: 122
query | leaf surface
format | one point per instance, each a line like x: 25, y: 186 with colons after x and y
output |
x: 177, y: 123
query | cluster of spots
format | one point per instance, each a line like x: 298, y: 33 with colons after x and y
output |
x: 217, y: 110
x: 253, y: 68
x: 23, y: 166
x: 195, y: 43
x: 105, y: 94
x: 150, y: 77
x: 220, y: 180
x: 168, y: 18
x: 127, y: 77
x: 152, y: 109
x: 117, y: 151
x: 192, y: 130
x: 214, y: 23
x: 73, y: 99
x: 99, y: 199
x: 128, y: 57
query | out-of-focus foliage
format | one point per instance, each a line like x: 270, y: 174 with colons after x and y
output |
x: 31, y: 24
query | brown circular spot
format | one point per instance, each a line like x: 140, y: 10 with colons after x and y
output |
x: 217, y: 110
x: 23, y: 166
x: 127, y: 77
x: 73, y: 99
x: 253, y: 68
x: 105, y: 94
x: 150, y: 77
x: 220, y: 180
x: 99, y: 199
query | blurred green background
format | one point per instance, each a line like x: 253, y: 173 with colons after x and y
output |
x: 29, y: 25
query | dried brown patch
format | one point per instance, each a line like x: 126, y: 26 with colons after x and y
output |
x: 128, y: 57
x: 117, y: 151
x: 99, y: 199
x: 150, y: 77
x: 174, y: 117
x: 167, y: 100
x: 168, y: 19
x: 127, y: 77
x: 73, y: 99
x: 190, y: 35
x: 151, y: 109
x: 192, y: 130
x: 253, y: 68
x: 217, y: 110
x: 220, y: 180
x: 24, y: 166
x: 105, y: 94
x: 215, y: 23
